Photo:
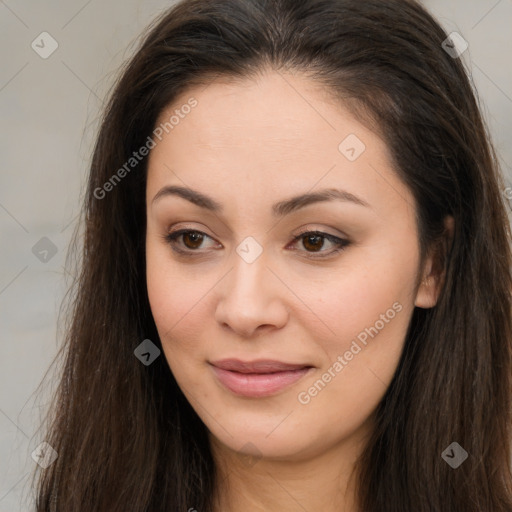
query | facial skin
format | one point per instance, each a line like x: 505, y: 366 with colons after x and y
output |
x: 248, y: 145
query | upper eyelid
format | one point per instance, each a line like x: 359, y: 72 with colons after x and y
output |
x: 306, y: 228
x: 305, y: 231
x: 337, y: 240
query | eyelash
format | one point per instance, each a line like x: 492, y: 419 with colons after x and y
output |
x: 341, y: 244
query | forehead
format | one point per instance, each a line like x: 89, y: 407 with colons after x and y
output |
x: 277, y: 131
x: 276, y: 107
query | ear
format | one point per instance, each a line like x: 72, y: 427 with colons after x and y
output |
x: 434, y: 272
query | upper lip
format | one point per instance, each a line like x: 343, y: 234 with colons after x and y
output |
x: 259, y: 366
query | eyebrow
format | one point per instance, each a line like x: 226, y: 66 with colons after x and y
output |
x: 279, y: 209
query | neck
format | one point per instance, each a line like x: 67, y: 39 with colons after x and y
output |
x: 325, y: 481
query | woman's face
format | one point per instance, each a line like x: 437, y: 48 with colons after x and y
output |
x: 253, y: 162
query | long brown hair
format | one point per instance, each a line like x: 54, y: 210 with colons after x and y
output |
x: 126, y: 437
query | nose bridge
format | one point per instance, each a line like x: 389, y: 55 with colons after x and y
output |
x: 250, y: 297
x: 249, y: 278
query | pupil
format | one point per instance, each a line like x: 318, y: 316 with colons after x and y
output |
x: 196, y: 237
x: 313, y: 240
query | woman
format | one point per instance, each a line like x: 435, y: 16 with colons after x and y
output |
x: 296, y: 276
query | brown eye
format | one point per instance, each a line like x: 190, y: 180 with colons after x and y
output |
x: 313, y: 242
x: 192, y: 239
x: 190, y: 243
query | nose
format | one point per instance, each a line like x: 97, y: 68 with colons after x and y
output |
x: 252, y: 299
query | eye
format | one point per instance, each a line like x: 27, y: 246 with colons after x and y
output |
x: 192, y: 240
x: 313, y: 241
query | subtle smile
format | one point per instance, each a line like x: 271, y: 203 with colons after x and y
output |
x: 259, y: 378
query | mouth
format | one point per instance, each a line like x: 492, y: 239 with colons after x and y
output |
x: 258, y: 378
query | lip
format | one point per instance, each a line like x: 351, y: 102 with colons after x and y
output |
x: 258, y: 378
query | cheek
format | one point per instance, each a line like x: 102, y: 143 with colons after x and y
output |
x: 367, y: 312
x: 365, y: 335
x: 175, y: 299
x: 360, y: 361
x: 364, y: 300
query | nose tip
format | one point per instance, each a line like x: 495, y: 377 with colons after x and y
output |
x: 250, y: 298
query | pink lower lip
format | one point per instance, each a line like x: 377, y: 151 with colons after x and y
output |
x: 258, y: 384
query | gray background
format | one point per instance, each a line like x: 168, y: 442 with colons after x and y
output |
x: 50, y: 110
